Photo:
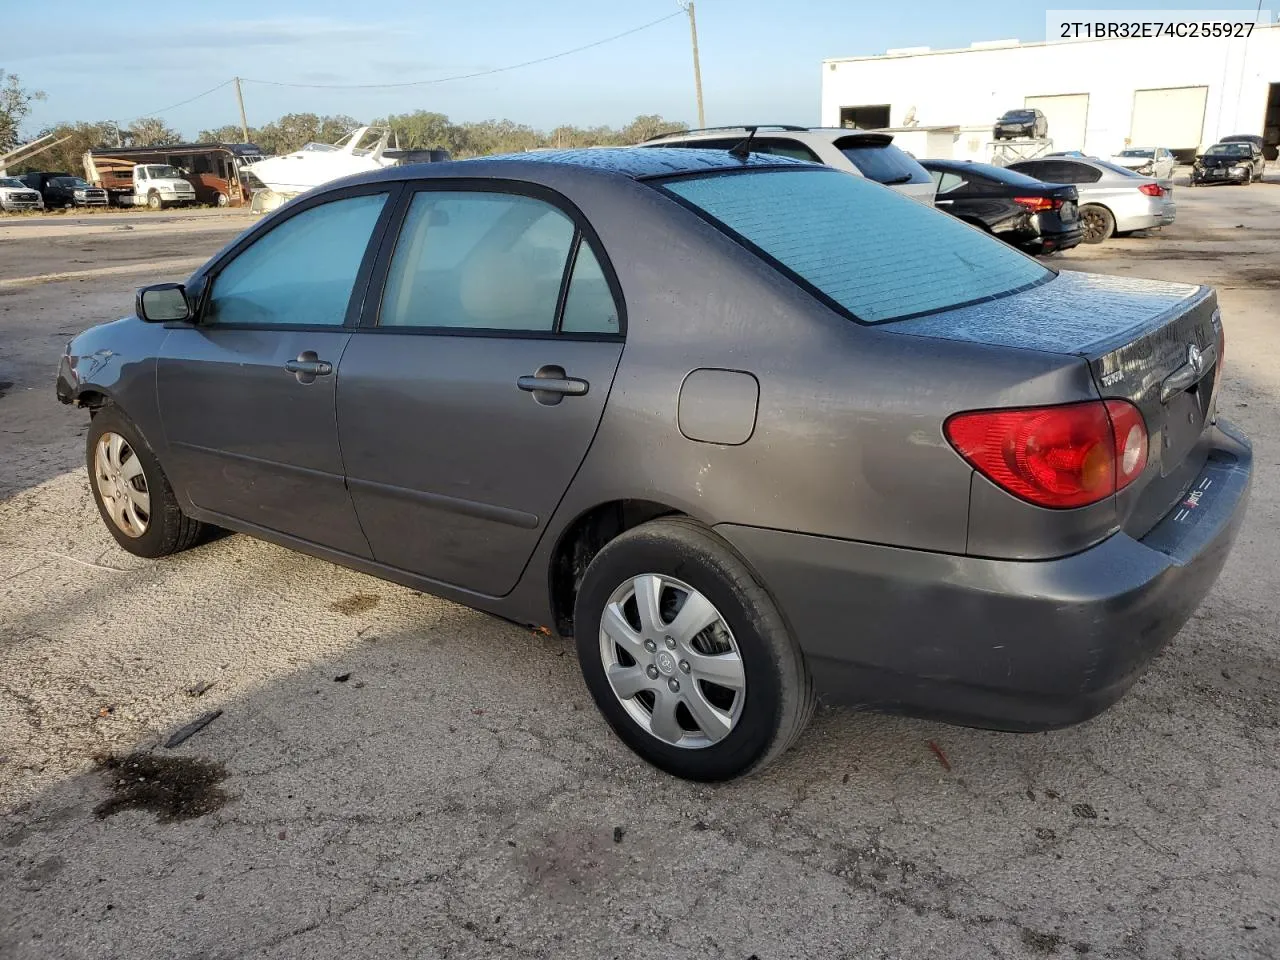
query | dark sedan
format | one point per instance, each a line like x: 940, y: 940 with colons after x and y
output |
x: 1032, y: 215
x: 1236, y: 162
x: 750, y: 430
x: 1028, y: 122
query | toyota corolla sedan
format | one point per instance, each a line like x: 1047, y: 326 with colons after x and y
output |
x: 750, y: 431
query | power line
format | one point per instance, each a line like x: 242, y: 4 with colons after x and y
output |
x: 465, y: 76
x: 182, y: 103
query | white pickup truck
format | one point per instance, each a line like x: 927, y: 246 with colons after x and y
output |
x: 154, y: 185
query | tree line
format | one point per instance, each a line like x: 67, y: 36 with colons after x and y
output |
x: 419, y: 130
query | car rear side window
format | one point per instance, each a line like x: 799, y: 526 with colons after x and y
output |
x: 876, y: 254
x: 484, y: 261
x: 301, y: 272
x: 883, y: 162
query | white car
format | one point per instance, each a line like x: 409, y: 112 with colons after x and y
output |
x: 16, y: 195
x: 1155, y: 162
x: 864, y: 153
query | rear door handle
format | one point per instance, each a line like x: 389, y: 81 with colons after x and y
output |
x: 939, y: 203
x: 549, y: 385
x: 308, y: 366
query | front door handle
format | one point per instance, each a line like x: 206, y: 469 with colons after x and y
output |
x: 939, y: 203
x: 550, y: 384
x: 308, y: 366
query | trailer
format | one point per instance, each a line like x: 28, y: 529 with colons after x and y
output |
x: 214, y: 170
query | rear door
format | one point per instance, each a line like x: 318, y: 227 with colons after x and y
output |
x: 247, y: 394
x: 473, y: 389
x: 980, y: 200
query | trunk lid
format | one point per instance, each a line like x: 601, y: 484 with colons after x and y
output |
x: 1152, y: 343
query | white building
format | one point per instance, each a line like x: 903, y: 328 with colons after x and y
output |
x: 1099, y: 95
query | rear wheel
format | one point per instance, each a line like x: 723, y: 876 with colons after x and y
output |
x: 686, y: 655
x: 131, y: 491
x: 1097, y: 222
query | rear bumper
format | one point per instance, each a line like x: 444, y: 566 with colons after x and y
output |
x: 1014, y: 645
x: 1158, y: 213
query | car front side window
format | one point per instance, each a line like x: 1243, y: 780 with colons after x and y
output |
x: 302, y: 272
x: 493, y: 261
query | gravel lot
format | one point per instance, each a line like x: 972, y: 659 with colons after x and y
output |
x: 395, y: 775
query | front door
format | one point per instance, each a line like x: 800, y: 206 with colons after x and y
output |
x: 470, y: 396
x: 247, y: 394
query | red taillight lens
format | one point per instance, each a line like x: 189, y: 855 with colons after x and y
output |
x: 1152, y: 189
x: 1036, y: 204
x: 1065, y: 456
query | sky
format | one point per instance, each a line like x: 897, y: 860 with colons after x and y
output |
x: 760, y: 58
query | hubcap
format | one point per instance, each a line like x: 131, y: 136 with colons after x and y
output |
x: 672, y: 661
x: 122, y: 485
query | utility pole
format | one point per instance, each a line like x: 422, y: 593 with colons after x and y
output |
x: 244, y: 124
x: 697, y: 69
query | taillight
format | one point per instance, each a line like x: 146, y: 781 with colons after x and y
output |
x: 1152, y: 189
x: 1130, y: 432
x: 1064, y: 456
x: 1036, y: 204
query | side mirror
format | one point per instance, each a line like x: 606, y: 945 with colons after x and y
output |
x: 163, y: 303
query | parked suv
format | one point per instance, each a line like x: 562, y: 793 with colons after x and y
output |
x: 65, y: 190
x: 1027, y: 122
x: 870, y: 155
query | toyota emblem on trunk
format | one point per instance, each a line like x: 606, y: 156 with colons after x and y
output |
x: 1195, y: 358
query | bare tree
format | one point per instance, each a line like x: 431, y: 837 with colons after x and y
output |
x: 15, y: 106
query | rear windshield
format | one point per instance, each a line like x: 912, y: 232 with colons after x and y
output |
x: 884, y: 163
x: 1001, y: 174
x: 875, y: 253
x: 1116, y: 168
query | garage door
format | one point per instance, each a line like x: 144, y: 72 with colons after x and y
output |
x: 1173, y: 118
x: 1066, y: 114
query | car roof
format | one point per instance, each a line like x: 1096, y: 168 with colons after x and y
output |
x: 819, y: 134
x: 626, y: 162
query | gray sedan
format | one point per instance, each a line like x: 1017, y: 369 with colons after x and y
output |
x: 750, y: 431
x: 1113, y: 200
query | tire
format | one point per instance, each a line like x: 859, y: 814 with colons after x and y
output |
x: 154, y: 202
x: 1098, y: 223
x: 167, y: 529
x: 222, y: 200
x: 774, y: 696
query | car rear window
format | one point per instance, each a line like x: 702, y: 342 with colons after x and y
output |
x: 883, y: 162
x: 873, y: 252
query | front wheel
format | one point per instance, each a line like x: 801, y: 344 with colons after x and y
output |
x: 686, y: 655
x: 154, y: 201
x: 133, y: 494
x: 222, y: 200
x: 1097, y: 222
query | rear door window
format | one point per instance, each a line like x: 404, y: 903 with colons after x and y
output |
x: 882, y: 162
x: 871, y: 253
